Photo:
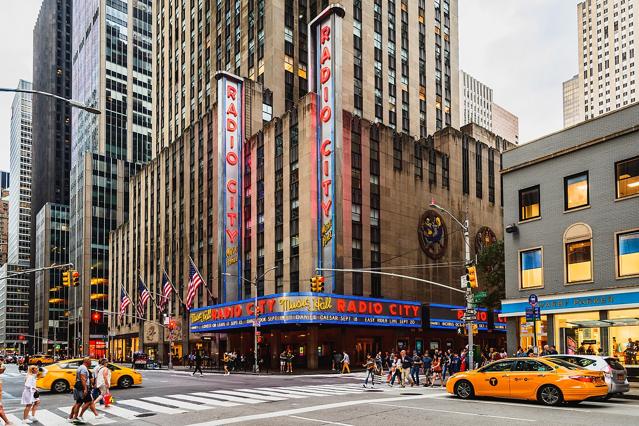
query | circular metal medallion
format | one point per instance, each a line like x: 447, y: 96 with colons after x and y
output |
x: 484, y: 238
x: 432, y: 233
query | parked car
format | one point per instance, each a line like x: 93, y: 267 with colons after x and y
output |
x: 60, y: 377
x: 615, y: 374
x: 41, y: 360
x: 550, y: 382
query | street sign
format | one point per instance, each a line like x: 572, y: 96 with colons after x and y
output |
x: 470, y: 311
x: 481, y: 295
x: 532, y: 299
x: 57, y: 347
x: 533, y: 313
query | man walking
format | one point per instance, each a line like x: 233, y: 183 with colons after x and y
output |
x: 370, y: 370
x: 427, y: 361
x: 346, y: 361
x: 81, y: 393
x: 407, y: 363
x: 414, y: 370
x: 198, y: 364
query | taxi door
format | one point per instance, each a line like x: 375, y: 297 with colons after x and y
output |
x: 527, y: 377
x: 494, y: 379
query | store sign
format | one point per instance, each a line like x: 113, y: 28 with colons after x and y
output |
x: 297, y: 308
x: 230, y: 140
x: 325, y: 46
x: 451, y: 317
x: 550, y: 305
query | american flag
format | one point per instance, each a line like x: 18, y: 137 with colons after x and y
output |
x: 143, y: 297
x: 167, y: 289
x: 195, y: 280
x: 125, y: 301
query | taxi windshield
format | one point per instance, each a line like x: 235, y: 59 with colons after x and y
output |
x: 562, y: 363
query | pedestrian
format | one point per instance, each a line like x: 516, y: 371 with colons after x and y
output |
x: 396, y: 371
x: 30, y: 396
x: 437, y: 371
x: 198, y: 364
x: 414, y: 369
x: 3, y: 415
x: 379, y: 364
x: 283, y: 362
x: 289, y: 361
x: 82, y: 394
x: 225, y: 360
x: 370, y: 370
x: 407, y: 363
x: 346, y: 361
x: 552, y: 350
x: 102, y: 382
x: 427, y: 362
x: 455, y: 363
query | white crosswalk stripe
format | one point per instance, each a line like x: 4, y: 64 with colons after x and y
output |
x: 196, y: 401
x: 14, y: 420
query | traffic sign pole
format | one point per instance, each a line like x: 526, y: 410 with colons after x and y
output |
x: 532, y: 300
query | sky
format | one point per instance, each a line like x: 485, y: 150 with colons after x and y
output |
x: 523, y: 49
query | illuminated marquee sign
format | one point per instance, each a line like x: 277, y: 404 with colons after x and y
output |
x: 299, y: 308
x: 230, y: 139
x: 325, y: 44
x: 450, y: 317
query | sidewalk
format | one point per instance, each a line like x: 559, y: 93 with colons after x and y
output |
x: 298, y: 372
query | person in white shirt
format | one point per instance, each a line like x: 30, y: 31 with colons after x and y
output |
x: 102, y: 379
x: 346, y: 361
x: 30, y: 395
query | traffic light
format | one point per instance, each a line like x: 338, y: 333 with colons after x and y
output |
x: 76, y: 278
x: 21, y: 337
x: 471, y: 276
x: 317, y: 284
x: 96, y: 317
x: 66, y: 278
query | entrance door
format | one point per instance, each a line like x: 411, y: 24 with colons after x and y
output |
x: 363, y: 347
x: 494, y: 380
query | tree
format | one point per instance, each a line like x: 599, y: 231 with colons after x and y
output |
x: 491, y: 274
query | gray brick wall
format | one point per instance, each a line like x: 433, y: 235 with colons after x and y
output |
x: 605, y: 216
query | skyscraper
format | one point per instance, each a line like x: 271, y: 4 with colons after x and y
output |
x: 4, y: 179
x: 401, y: 60
x: 20, y: 190
x: 111, y: 71
x: 14, y: 309
x: 607, y: 34
x: 573, y: 102
x: 4, y: 225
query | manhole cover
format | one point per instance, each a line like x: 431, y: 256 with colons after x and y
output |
x: 145, y: 414
x: 410, y: 394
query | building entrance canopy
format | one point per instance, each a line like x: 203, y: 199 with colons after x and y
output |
x: 305, y: 308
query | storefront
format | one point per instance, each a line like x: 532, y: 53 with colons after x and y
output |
x: 597, y: 323
x: 312, y: 326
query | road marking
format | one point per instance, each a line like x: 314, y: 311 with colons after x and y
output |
x: 295, y: 411
x: 517, y: 404
x: 251, y: 395
x: 300, y: 391
x: 15, y: 420
x: 207, y: 401
x: 437, y: 410
x: 176, y: 403
x: 46, y: 417
x: 271, y: 392
x: 214, y: 395
x: 318, y: 390
x: 151, y: 407
x: 325, y: 422
x: 125, y: 413
x: 89, y: 417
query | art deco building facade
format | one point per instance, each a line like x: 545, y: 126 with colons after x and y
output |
x: 4, y: 225
x: 20, y: 188
x: 389, y: 180
x: 111, y: 63
x: 401, y: 60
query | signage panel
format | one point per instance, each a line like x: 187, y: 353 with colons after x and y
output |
x: 451, y: 317
x: 230, y: 140
x: 295, y: 308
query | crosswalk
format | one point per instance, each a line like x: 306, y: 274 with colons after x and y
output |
x: 132, y: 409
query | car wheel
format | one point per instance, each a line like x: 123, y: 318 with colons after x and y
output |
x: 550, y: 395
x: 464, y: 389
x: 125, y: 382
x: 60, y: 386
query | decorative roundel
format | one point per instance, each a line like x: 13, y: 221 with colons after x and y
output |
x: 432, y: 233
x: 484, y: 238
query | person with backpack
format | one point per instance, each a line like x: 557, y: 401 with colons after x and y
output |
x: 370, y: 370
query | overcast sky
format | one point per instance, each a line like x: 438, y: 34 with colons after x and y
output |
x: 523, y: 49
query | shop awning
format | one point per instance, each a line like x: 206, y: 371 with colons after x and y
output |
x: 619, y: 322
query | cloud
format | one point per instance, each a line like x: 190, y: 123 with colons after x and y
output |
x: 524, y: 50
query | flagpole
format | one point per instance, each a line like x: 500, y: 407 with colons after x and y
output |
x: 147, y: 289
x: 204, y: 282
x: 174, y: 289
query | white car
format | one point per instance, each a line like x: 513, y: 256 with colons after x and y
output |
x: 614, y: 373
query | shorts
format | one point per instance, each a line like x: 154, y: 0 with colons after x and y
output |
x: 80, y: 398
x: 282, y: 363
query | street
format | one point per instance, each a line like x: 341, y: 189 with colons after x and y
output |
x: 177, y: 398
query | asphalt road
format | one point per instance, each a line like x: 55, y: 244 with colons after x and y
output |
x: 176, y: 398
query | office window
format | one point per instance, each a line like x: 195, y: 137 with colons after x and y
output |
x: 627, y: 177
x: 576, y: 191
x: 529, y: 205
x: 578, y: 253
x: 628, y: 253
x: 531, y: 269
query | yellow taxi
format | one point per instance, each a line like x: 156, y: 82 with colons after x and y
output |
x: 41, y: 360
x: 548, y: 381
x: 60, y: 377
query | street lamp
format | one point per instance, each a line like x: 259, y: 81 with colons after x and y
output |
x: 469, y: 294
x: 255, y: 325
x: 73, y: 103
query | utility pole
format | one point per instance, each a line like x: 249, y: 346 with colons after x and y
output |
x: 469, y: 297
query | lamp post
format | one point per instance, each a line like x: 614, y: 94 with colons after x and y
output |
x: 255, y: 324
x: 73, y: 103
x: 469, y: 294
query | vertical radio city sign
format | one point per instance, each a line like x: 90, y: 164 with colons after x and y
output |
x: 230, y: 137
x: 325, y: 71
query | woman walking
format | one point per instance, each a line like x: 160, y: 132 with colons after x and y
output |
x: 30, y: 396
x: 3, y: 415
x: 437, y: 371
x: 102, y: 382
